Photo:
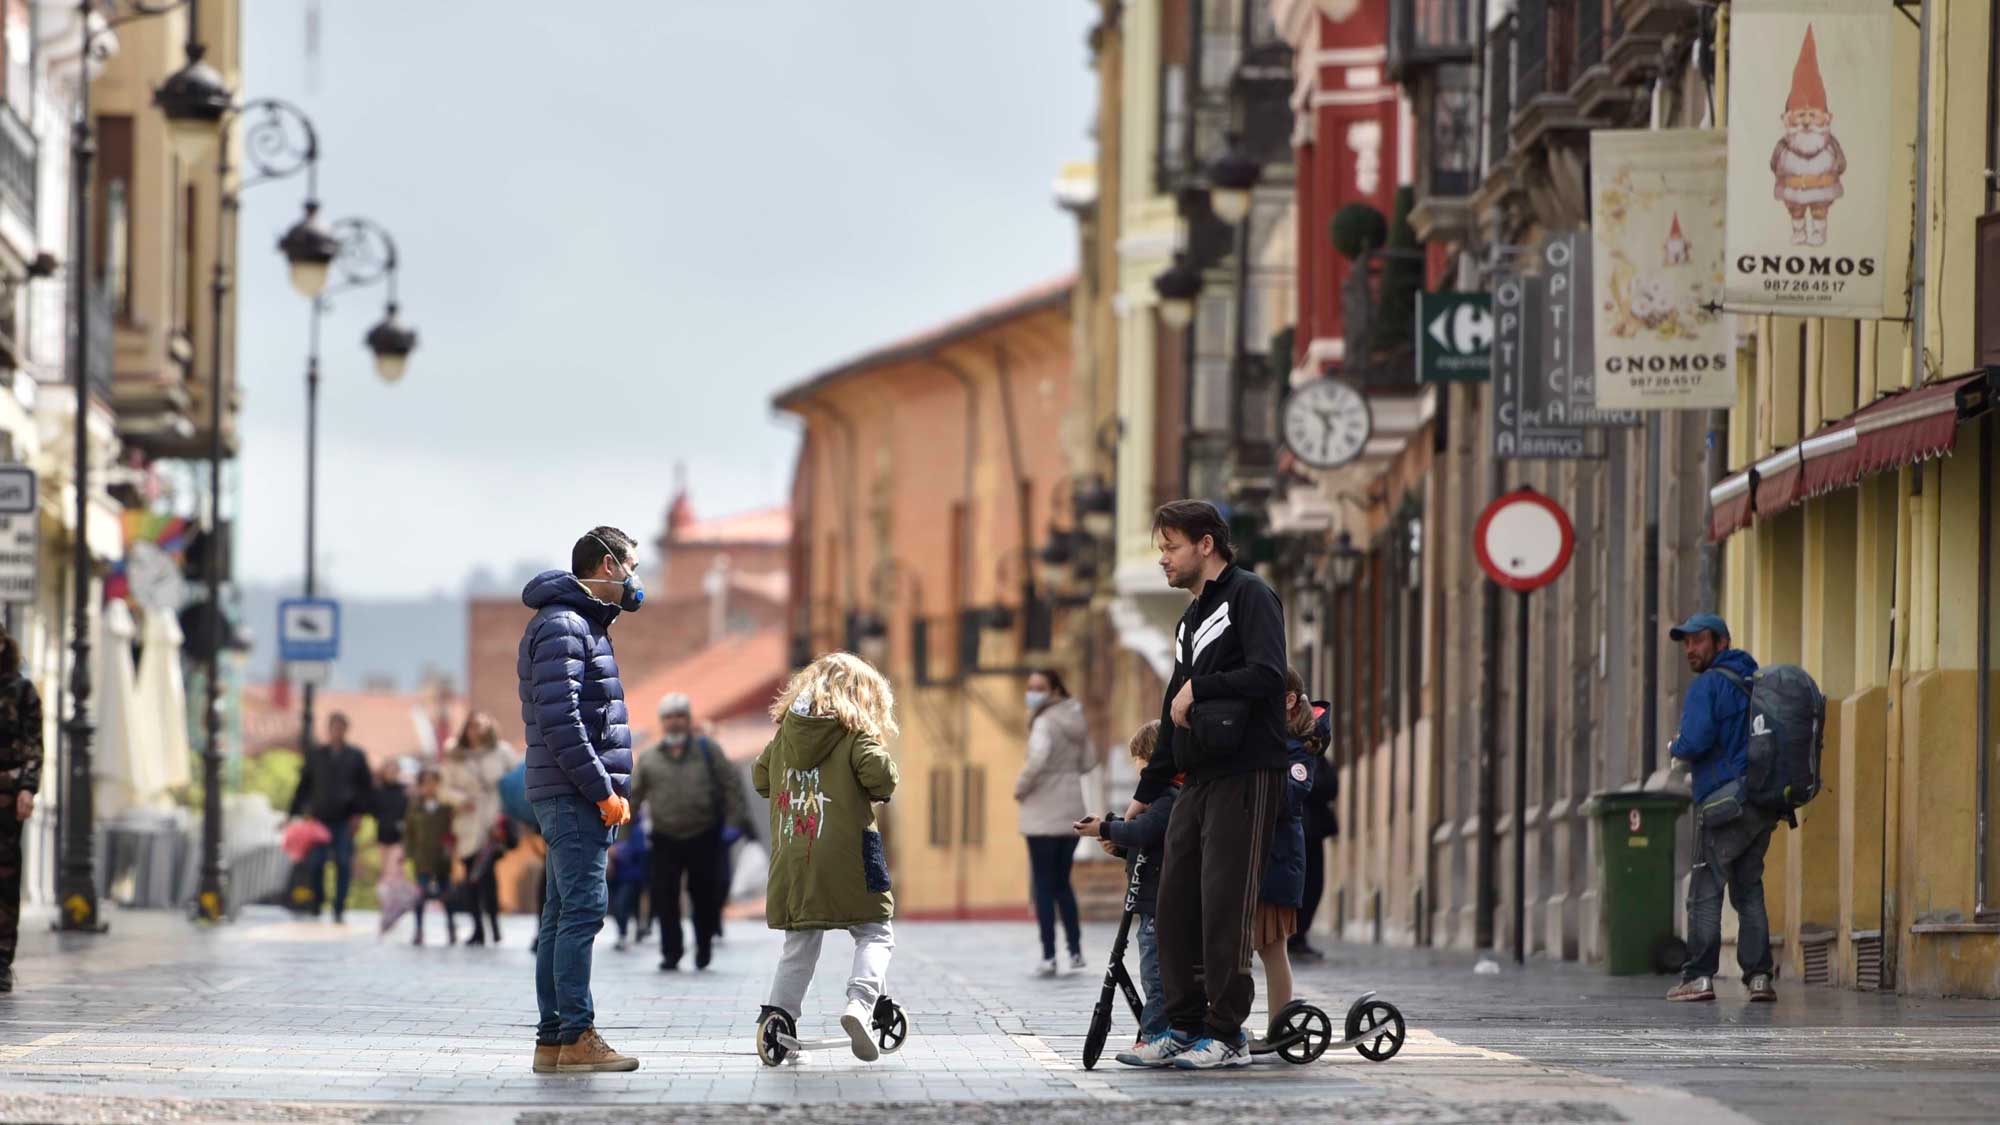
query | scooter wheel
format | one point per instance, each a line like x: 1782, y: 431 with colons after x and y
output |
x: 1304, y: 1031
x: 1378, y: 1027
x: 1100, y: 1030
x: 770, y: 1052
x: 891, y: 1025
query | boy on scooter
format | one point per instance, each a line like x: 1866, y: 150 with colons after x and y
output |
x: 1139, y: 840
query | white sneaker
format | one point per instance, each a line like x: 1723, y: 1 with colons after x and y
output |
x: 1046, y: 968
x: 1076, y: 964
x: 1159, y: 1051
x: 855, y: 1021
x: 620, y: 945
x: 1208, y: 1054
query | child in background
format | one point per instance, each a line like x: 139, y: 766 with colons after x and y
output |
x: 392, y: 803
x: 823, y: 774
x: 629, y: 870
x: 1277, y: 917
x: 427, y: 837
x: 1141, y: 841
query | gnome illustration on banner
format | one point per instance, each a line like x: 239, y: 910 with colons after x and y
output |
x: 1675, y: 252
x: 1808, y: 161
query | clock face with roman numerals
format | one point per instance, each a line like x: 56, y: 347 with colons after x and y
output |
x: 1327, y: 423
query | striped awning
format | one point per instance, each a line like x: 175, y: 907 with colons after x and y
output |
x: 1904, y: 428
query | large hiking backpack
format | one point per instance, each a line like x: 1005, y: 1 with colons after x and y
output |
x: 1787, y: 732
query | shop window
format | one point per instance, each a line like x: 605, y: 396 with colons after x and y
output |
x: 113, y: 250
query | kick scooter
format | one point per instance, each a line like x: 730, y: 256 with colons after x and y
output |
x: 1301, y: 1032
x: 777, y: 1034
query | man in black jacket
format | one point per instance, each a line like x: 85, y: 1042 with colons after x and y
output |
x: 337, y: 789
x: 1223, y: 727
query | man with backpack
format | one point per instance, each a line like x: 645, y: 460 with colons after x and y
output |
x: 695, y: 805
x: 1731, y: 833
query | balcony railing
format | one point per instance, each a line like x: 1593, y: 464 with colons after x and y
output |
x: 1430, y: 32
x: 18, y: 152
x: 1499, y: 89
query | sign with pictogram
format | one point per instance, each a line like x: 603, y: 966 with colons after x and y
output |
x: 20, y: 535
x: 308, y: 630
x: 1454, y: 336
x: 1523, y: 540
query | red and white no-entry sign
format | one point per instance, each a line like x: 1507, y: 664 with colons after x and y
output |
x: 1523, y: 540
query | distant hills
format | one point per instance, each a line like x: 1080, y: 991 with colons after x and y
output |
x: 387, y: 643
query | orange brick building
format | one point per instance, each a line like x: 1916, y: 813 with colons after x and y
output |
x: 930, y: 472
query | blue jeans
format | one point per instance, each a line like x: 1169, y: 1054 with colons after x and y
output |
x: 1153, y: 1015
x: 1729, y: 857
x: 340, y: 851
x: 1049, y: 859
x: 572, y: 914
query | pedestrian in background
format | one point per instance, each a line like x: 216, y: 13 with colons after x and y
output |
x: 691, y: 797
x: 20, y: 780
x: 1731, y: 835
x: 1140, y: 841
x: 470, y: 779
x: 336, y: 788
x: 579, y: 762
x: 1050, y: 792
x: 823, y: 774
x: 427, y: 836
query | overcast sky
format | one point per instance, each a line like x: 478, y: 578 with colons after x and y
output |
x: 623, y: 226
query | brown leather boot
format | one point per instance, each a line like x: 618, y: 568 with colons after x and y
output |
x: 589, y: 1054
x: 545, y: 1057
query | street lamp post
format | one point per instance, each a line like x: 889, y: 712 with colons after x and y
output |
x: 279, y: 143
x: 363, y: 253
x: 76, y: 881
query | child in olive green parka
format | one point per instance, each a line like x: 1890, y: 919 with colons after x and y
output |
x: 823, y: 774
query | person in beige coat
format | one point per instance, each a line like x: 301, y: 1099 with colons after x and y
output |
x: 1050, y: 791
x: 469, y: 781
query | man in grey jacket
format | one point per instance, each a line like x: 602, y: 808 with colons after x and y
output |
x: 693, y: 800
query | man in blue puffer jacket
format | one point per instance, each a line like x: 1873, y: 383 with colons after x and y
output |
x: 579, y: 762
x: 1714, y: 740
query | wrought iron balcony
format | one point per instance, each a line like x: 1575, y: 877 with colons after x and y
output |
x: 1427, y: 33
x: 18, y: 154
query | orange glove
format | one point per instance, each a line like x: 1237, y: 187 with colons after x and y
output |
x: 615, y: 810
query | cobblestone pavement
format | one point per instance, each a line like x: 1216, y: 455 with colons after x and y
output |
x: 274, y: 1020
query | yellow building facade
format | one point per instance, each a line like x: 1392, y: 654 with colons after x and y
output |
x: 1885, y: 590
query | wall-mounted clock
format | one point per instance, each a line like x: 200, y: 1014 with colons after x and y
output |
x: 1327, y: 423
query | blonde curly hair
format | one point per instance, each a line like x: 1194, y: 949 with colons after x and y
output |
x: 842, y: 686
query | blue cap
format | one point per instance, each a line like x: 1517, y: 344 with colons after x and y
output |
x: 1700, y: 622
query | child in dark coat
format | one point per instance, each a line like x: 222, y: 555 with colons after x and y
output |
x: 630, y: 871
x: 1141, y: 841
x: 427, y: 839
x: 1278, y: 898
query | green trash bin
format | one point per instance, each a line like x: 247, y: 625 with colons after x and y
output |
x: 1636, y: 877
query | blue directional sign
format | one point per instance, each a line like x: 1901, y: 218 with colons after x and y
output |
x: 308, y: 630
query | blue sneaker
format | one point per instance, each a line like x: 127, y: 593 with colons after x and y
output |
x: 1208, y: 1054
x: 1161, y: 1050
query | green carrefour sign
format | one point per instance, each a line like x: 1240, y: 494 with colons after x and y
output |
x: 1454, y: 336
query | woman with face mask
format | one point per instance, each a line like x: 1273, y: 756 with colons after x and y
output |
x: 1050, y: 791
